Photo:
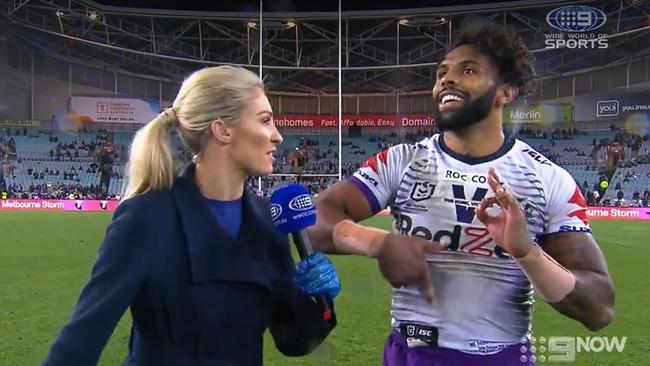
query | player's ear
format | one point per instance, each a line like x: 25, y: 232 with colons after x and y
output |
x: 506, y: 94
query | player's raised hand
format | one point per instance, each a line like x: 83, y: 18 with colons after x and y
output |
x: 508, y: 229
x: 402, y: 262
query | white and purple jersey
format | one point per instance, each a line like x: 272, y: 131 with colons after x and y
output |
x: 483, y: 301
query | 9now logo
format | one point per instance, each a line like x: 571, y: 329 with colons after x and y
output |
x: 565, y: 349
x: 301, y: 203
x: 576, y: 18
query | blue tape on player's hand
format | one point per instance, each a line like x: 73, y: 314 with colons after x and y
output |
x: 316, y: 275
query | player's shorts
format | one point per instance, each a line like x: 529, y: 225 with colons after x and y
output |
x: 398, y: 353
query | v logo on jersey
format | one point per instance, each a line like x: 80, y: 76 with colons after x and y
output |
x: 464, y: 210
x: 422, y: 191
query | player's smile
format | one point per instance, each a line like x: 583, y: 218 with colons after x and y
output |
x: 450, y: 98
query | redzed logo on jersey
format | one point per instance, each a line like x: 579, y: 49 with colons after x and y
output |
x: 372, y: 161
x: 579, y: 200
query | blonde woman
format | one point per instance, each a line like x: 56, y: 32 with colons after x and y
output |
x: 196, y: 257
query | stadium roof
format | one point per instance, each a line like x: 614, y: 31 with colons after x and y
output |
x: 300, y: 38
x: 291, y: 5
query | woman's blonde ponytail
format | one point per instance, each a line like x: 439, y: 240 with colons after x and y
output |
x: 151, y: 165
x: 206, y: 95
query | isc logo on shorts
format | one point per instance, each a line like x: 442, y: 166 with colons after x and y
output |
x: 457, y: 176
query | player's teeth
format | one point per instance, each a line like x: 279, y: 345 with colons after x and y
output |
x: 450, y: 97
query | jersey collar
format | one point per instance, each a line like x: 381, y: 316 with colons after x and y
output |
x: 508, y: 143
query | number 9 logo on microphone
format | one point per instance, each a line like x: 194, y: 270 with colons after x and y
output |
x: 276, y: 211
x: 301, y: 203
x: 292, y: 208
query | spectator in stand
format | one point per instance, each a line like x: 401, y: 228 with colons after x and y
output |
x: 645, y: 201
x: 619, y: 198
x: 591, y: 199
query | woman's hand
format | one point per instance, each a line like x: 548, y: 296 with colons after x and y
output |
x: 315, y: 275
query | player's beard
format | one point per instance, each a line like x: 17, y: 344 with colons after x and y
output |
x: 466, y: 115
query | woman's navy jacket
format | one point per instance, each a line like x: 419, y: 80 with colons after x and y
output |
x: 197, y: 296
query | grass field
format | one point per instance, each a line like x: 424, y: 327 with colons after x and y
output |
x: 45, y: 258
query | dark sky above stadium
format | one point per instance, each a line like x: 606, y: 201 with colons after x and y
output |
x: 290, y: 5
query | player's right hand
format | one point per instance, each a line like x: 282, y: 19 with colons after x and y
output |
x: 508, y: 229
x: 402, y: 262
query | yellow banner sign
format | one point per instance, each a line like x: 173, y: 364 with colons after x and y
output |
x: 20, y: 122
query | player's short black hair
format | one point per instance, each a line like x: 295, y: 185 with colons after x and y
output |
x: 507, y: 51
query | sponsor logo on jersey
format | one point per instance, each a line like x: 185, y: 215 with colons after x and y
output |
x: 471, y: 239
x: 579, y: 200
x: 537, y: 156
x: 466, y: 209
x: 368, y: 178
x: 574, y: 229
x: 425, y: 332
x: 422, y: 191
x: 414, y: 207
x: 463, y: 177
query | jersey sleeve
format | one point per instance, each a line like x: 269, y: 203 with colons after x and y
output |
x: 567, y: 207
x: 379, y: 176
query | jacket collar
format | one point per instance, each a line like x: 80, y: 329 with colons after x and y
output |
x: 213, y: 253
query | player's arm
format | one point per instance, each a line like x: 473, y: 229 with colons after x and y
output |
x: 370, y: 189
x: 591, y: 302
x: 339, y: 208
x: 341, y: 201
x: 570, y: 272
x: 569, y: 242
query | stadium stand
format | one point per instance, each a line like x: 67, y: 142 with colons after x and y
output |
x: 40, y: 163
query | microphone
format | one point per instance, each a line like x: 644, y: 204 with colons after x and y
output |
x: 293, y: 210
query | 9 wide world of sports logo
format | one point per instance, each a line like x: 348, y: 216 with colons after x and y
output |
x: 577, y: 26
